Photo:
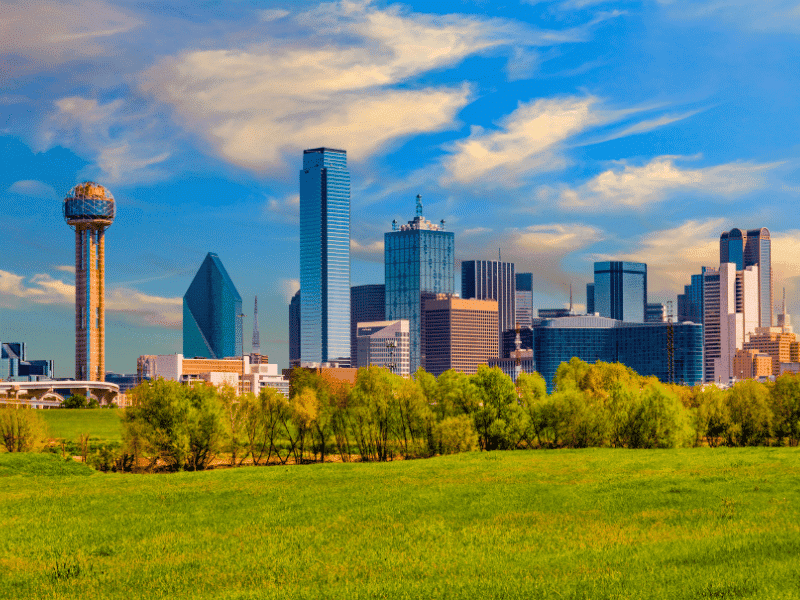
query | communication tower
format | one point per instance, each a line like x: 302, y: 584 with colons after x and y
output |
x: 90, y: 209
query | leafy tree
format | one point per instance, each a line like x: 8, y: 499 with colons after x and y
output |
x: 206, y: 425
x: 456, y: 434
x: 233, y: 408
x: 497, y: 399
x: 75, y: 401
x: 750, y: 414
x: 712, y: 418
x: 373, y: 412
x: 21, y: 429
x: 658, y: 420
x: 785, y: 404
x: 532, y: 391
x: 569, y: 375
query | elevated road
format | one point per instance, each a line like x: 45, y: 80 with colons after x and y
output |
x: 50, y: 394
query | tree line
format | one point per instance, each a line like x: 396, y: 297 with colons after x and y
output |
x: 382, y: 417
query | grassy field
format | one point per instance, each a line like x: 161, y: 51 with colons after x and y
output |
x: 695, y: 523
x: 102, y: 424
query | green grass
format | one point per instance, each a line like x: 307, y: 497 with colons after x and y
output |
x: 102, y: 424
x: 695, y: 523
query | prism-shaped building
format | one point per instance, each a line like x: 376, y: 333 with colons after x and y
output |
x: 212, y: 313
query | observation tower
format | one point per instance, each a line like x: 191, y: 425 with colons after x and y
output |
x: 89, y: 209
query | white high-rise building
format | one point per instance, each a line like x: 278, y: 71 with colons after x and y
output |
x: 738, y: 315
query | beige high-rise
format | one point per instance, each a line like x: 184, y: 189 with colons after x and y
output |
x: 89, y: 210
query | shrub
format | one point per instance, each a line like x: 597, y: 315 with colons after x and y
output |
x: 21, y: 429
x: 456, y: 434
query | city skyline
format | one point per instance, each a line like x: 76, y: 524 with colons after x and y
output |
x: 564, y: 133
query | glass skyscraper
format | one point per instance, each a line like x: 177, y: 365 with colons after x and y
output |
x: 640, y: 346
x: 324, y: 256
x: 419, y: 262
x: 212, y: 325
x: 620, y: 290
x: 524, y: 299
x: 745, y: 249
x: 492, y: 280
x: 367, y: 304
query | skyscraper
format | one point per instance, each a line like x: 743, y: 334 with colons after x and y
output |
x: 256, y: 347
x: 711, y: 322
x: 589, y: 298
x: 367, y: 304
x: 89, y: 210
x: 294, y: 330
x: 738, y: 315
x: 419, y: 262
x: 745, y: 249
x: 620, y: 290
x: 324, y: 255
x: 212, y: 308
x: 492, y: 280
x: 524, y: 299
x: 690, y: 303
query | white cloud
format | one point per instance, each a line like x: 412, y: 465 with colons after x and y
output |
x: 34, y: 189
x: 137, y: 307
x: 286, y: 209
x: 527, y: 141
x: 289, y: 288
x: 119, y: 140
x: 333, y: 85
x: 272, y: 14
x: 639, y: 186
x: 764, y: 16
x: 48, y: 33
x: 66, y: 268
x: 371, y: 251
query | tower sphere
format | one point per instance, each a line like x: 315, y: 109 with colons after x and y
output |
x: 89, y: 203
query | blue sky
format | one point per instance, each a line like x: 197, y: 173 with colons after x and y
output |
x: 561, y: 132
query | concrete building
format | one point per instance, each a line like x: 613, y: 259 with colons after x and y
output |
x: 325, y: 256
x: 89, y: 210
x: 458, y: 334
x: 212, y: 309
x: 419, y: 263
x: 738, y: 315
x: 620, y: 290
x: 383, y: 344
x: 781, y: 347
x: 492, y: 280
x: 238, y: 372
x: 367, y: 304
x: 524, y: 299
x: 554, y: 313
x: 752, y: 364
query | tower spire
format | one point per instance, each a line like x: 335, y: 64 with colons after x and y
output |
x: 256, y: 341
x: 419, y: 205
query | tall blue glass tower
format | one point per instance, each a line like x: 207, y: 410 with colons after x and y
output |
x: 419, y: 262
x: 212, y: 308
x: 747, y: 248
x: 324, y: 256
x: 620, y: 290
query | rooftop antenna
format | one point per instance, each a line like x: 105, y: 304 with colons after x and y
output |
x: 499, y: 257
x: 256, y: 337
x: 394, y: 224
x: 419, y: 206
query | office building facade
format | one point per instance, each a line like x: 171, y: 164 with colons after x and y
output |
x: 711, y: 322
x: 738, y: 315
x: 492, y: 280
x: 15, y: 365
x: 458, y: 334
x: 589, y: 298
x: 655, y: 312
x: 383, y: 344
x: 419, y: 263
x: 294, y: 330
x: 324, y: 256
x: 524, y: 299
x: 640, y: 346
x: 752, y: 247
x: 690, y: 303
x: 367, y: 303
x: 212, y: 308
x: 89, y: 210
x: 620, y: 290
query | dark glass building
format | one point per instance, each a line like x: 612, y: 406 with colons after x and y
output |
x: 367, y: 304
x: 640, y: 346
x: 325, y: 255
x: 492, y: 280
x: 294, y: 330
x: 14, y: 364
x: 748, y: 248
x: 690, y: 302
x: 419, y: 263
x: 620, y: 290
x: 212, y: 325
x: 590, y: 298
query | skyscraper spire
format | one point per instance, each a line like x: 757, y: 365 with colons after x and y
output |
x: 256, y: 341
